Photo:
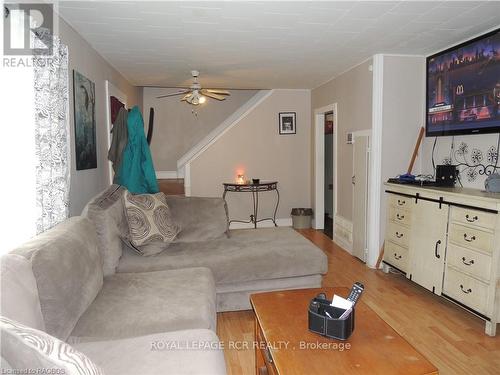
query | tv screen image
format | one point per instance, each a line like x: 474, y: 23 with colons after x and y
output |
x: 463, y: 88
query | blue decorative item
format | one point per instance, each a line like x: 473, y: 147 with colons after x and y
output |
x: 137, y: 172
x: 407, y: 177
x: 492, y: 183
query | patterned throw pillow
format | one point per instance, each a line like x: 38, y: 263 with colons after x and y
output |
x: 35, y: 352
x: 149, y: 220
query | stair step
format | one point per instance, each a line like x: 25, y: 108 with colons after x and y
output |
x: 171, y: 186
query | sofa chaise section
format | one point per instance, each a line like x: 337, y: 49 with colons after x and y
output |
x: 250, y: 261
x: 242, y: 261
x: 136, y: 304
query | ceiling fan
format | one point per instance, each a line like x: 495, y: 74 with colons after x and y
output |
x: 195, y: 94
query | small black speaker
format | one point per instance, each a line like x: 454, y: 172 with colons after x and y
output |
x: 446, y: 175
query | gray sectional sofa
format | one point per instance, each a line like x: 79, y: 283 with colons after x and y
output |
x: 130, y: 314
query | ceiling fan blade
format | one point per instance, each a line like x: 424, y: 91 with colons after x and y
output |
x: 214, y: 96
x: 173, y: 94
x: 220, y: 92
x: 185, y: 97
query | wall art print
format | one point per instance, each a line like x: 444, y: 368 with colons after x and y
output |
x: 85, y: 124
x: 287, y: 123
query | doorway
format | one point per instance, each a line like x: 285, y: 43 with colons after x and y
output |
x: 328, y: 172
x: 325, y: 199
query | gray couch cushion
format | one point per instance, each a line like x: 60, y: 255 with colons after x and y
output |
x: 200, y: 219
x: 26, y: 348
x: 107, y: 214
x: 248, y: 255
x: 148, y: 250
x: 149, y: 355
x: 236, y: 296
x: 134, y: 304
x: 19, y: 292
x: 68, y: 272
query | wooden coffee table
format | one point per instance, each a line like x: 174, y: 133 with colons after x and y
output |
x: 284, y: 345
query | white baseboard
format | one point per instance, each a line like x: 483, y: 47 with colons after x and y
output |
x: 169, y: 174
x: 342, y: 232
x: 286, y: 222
x: 347, y: 246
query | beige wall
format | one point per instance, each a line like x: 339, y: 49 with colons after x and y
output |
x: 83, y: 58
x: 403, y: 113
x: 352, y: 91
x: 177, y: 129
x: 255, y: 148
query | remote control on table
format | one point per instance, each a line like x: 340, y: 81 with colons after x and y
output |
x: 356, y: 291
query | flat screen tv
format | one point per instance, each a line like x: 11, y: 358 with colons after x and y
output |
x: 463, y: 88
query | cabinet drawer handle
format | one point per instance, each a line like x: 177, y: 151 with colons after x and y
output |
x: 467, y: 263
x: 400, y: 217
x: 436, y: 249
x: 465, y: 291
x: 401, y: 202
x: 466, y: 238
x: 471, y: 219
x: 399, y: 235
x: 398, y: 257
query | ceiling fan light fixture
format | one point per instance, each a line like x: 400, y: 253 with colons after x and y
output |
x: 196, y: 95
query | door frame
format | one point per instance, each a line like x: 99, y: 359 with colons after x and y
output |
x: 363, y: 133
x: 111, y: 90
x: 319, y: 163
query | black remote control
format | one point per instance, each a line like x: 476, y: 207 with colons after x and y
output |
x: 356, y: 291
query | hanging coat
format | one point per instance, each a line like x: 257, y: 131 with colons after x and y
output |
x: 119, y: 140
x: 137, y: 171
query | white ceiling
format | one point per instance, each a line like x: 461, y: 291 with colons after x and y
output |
x: 271, y: 44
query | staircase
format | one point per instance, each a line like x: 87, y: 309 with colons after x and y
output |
x: 171, y: 186
x: 184, y: 163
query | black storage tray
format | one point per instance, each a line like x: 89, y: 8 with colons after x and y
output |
x: 333, y: 327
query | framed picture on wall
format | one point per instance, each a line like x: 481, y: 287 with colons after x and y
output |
x: 287, y: 124
x: 85, y: 125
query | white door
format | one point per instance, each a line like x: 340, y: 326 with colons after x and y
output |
x: 360, y: 195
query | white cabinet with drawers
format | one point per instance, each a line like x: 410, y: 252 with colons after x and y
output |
x: 448, y: 241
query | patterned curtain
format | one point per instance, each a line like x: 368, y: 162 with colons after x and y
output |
x: 52, y: 135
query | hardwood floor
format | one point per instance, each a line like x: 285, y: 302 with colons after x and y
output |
x: 452, y: 339
x: 171, y: 186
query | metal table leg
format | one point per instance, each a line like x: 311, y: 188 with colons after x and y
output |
x: 255, y: 202
x: 276, y: 208
x: 256, y: 208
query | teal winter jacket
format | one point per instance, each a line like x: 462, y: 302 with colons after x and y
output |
x: 137, y: 172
